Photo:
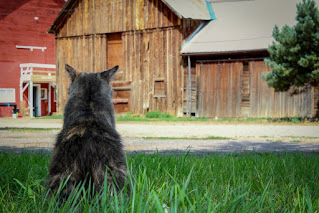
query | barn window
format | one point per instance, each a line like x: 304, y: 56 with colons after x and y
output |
x: 54, y: 95
x: 159, y: 88
x: 44, y: 94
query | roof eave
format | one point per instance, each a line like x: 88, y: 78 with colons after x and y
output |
x: 221, y: 52
x: 71, y: 3
x: 62, y: 15
x: 181, y: 16
x: 172, y: 9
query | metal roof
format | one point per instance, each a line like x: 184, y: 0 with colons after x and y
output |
x: 190, y: 9
x: 242, y: 26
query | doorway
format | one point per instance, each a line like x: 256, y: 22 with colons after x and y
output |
x: 121, y: 88
x: 36, y: 100
x: 219, y: 89
x: 115, y: 53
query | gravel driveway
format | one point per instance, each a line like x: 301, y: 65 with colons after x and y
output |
x: 242, y: 138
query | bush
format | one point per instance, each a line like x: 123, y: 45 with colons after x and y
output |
x: 157, y: 114
x: 295, y: 120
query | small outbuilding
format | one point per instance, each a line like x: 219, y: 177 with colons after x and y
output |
x: 227, y: 59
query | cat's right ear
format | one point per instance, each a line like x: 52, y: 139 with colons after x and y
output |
x: 72, y: 72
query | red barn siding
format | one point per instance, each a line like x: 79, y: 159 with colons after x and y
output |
x: 18, y: 27
x: 44, y: 103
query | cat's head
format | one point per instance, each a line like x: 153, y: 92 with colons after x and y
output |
x: 84, y: 84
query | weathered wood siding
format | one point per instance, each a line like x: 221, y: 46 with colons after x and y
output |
x: 150, y: 57
x: 316, y: 102
x: 189, y: 26
x: 265, y: 102
x: 98, y: 16
x: 153, y: 64
x: 193, y: 86
x: 218, y: 89
x: 150, y: 36
x: 85, y: 53
x: 236, y: 89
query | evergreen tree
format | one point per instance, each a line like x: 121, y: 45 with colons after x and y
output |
x: 294, y: 58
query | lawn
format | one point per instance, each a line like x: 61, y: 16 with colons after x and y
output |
x: 176, y: 183
x: 158, y: 116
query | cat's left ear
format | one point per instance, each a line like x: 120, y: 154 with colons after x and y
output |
x: 73, y: 73
x: 108, y: 74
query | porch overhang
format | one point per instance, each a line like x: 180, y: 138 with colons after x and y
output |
x: 31, y: 73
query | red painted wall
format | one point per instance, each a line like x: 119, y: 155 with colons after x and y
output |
x: 18, y: 27
x: 44, y: 103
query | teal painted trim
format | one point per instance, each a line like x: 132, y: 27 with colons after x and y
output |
x: 210, y: 10
x: 201, y: 26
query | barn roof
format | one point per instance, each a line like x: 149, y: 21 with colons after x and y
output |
x: 190, y: 9
x: 187, y: 9
x: 241, y: 26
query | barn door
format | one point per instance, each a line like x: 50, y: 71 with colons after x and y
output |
x: 115, y: 53
x: 218, y: 89
x: 121, y: 89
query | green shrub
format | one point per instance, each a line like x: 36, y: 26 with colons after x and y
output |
x: 157, y: 114
x: 295, y: 120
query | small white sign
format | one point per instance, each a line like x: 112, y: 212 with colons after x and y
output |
x: 7, y: 95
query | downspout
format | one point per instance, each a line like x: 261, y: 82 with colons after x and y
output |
x: 189, y: 87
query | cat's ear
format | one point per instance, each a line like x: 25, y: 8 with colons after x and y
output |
x: 72, y: 72
x: 108, y: 74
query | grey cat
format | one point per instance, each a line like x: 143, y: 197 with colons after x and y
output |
x: 88, y: 144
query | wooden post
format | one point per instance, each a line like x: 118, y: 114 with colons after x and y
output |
x: 49, y: 97
x: 21, y: 85
x: 31, y: 99
x: 189, y: 87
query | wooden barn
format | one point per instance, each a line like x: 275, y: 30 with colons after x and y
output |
x: 226, y: 60
x: 144, y: 37
x: 194, y: 57
x: 27, y: 58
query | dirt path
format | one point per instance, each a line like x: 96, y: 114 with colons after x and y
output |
x: 241, y: 137
x: 45, y: 140
x: 238, y: 132
x: 184, y: 129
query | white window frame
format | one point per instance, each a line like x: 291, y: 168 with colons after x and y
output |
x: 45, y: 97
x: 54, y: 95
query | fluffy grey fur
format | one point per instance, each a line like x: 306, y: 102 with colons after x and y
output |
x: 88, y: 142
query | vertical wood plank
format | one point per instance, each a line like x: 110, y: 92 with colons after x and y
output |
x: 179, y: 71
x: 97, y: 16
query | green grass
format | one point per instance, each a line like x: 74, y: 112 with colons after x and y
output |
x: 13, y: 129
x: 295, y: 141
x: 158, y: 116
x: 275, y: 140
x: 183, y: 138
x: 129, y: 117
x: 176, y: 183
x: 58, y: 116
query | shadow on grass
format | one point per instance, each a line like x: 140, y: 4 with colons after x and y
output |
x: 227, y: 148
